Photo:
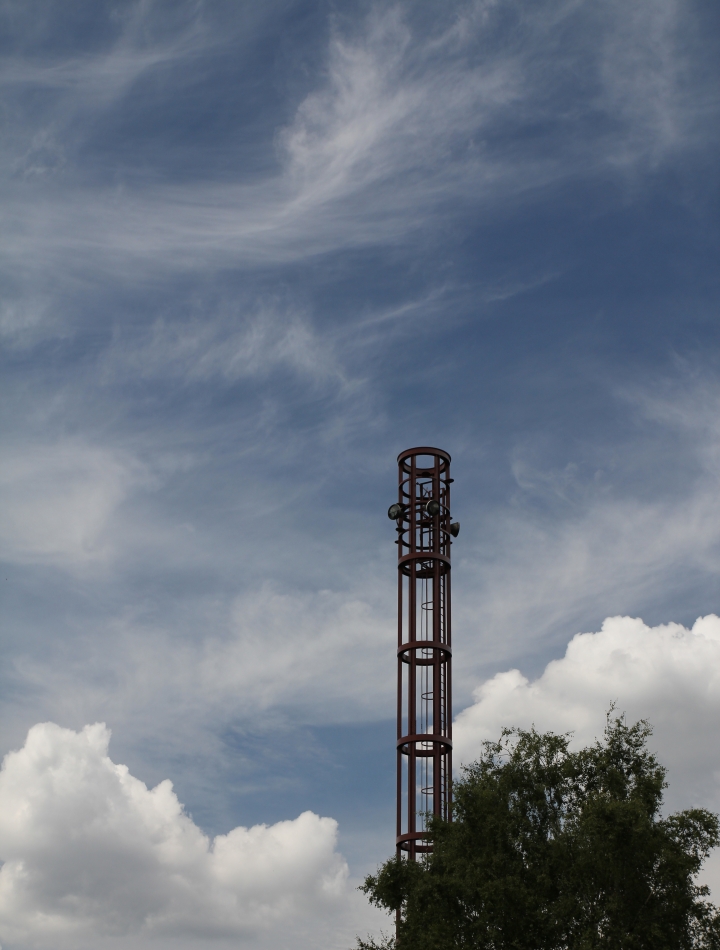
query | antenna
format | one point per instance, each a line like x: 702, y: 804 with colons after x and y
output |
x: 424, y: 699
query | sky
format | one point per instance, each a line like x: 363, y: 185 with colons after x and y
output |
x: 248, y: 253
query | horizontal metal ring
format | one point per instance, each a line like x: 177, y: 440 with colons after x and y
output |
x: 405, y: 742
x: 424, y: 450
x: 442, y: 648
x: 405, y: 561
x: 403, y: 841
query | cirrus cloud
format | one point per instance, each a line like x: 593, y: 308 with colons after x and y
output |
x: 58, y: 499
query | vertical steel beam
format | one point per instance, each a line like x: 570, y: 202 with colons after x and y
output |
x: 424, y: 653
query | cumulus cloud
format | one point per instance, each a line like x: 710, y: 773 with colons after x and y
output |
x: 89, y: 851
x: 667, y: 674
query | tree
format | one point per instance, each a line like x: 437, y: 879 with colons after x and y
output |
x: 552, y: 849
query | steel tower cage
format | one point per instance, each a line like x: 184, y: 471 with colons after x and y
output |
x: 424, y: 701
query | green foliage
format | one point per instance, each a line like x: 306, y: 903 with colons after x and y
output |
x: 557, y: 850
x: 386, y: 943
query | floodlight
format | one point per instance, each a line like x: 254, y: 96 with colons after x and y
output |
x: 395, y: 511
x: 432, y: 507
x: 455, y: 528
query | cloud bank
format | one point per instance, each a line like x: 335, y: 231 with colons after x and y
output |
x: 89, y: 850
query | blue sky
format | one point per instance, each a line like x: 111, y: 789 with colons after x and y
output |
x: 248, y: 253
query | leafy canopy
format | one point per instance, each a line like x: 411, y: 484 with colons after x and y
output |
x: 551, y: 849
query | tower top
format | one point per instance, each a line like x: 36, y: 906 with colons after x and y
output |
x: 424, y: 450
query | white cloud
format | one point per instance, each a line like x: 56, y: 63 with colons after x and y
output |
x: 593, y: 536
x: 268, y: 654
x: 547, y: 571
x: 641, y: 69
x: 282, y: 645
x: 22, y: 320
x: 403, y: 127
x: 58, y: 498
x: 400, y: 107
x: 86, y: 821
x: 667, y: 674
x: 99, y: 79
x: 390, y: 107
x: 90, y: 851
x: 249, y: 651
x: 234, y: 346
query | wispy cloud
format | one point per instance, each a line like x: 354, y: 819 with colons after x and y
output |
x: 577, y: 541
x: 404, y: 123
x: 261, y: 655
x: 99, y: 78
x: 227, y: 348
x: 536, y: 571
x: 57, y: 501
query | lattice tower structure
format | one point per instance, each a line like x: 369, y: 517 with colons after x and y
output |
x: 424, y: 696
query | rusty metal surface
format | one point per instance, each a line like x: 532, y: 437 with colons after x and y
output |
x: 424, y: 702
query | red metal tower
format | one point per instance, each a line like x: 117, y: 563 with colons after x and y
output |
x: 424, y: 701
